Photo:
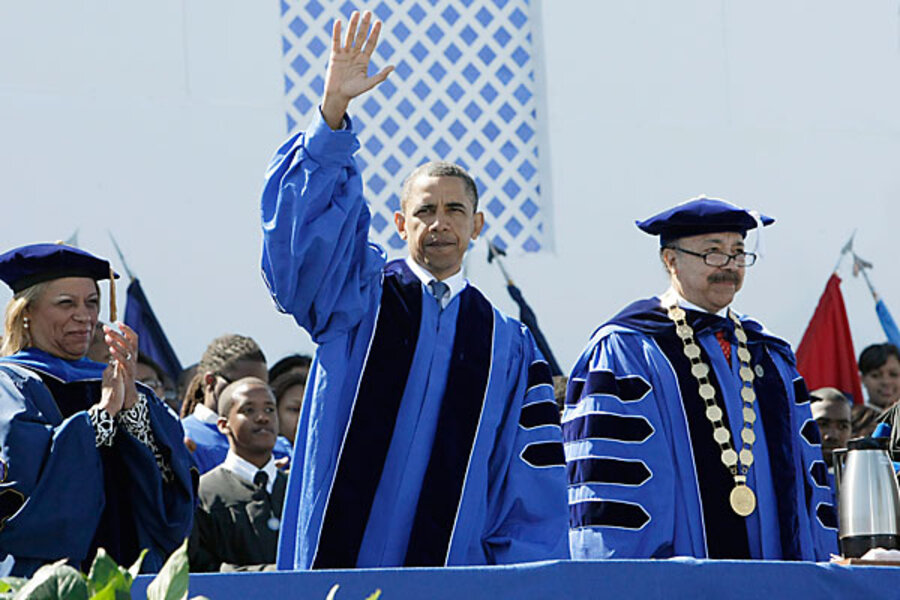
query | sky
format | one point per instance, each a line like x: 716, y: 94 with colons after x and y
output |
x: 155, y: 121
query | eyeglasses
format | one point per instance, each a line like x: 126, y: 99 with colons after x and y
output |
x: 715, y: 258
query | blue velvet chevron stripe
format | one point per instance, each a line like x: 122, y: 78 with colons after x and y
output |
x: 464, y: 90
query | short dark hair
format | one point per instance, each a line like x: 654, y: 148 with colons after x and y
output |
x: 143, y: 359
x: 441, y: 169
x: 874, y: 356
x: 222, y: 354
x: 828, y: 393
x: 287, y: 364
x: 285, y: 381
x: 226, y: 398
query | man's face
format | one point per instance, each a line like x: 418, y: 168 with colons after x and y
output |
x: 252, y: 422
x: 833, y: 419
x: 437, y: 222
x: 711, y: 288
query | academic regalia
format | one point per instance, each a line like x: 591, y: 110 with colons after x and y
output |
x: 647, y: 479
x: 427, y: 436
x: 61, y: 495
x: 212, y: 444
x: 236, y: 523
x: 645, y: 475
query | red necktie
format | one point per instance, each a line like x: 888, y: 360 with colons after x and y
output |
x: 724, y: 344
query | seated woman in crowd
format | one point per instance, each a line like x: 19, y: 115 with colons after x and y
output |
x: 289, y: 385
x: 879, y: 367
x: 88, y: 457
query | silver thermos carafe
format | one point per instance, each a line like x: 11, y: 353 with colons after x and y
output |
x: 868, y: 497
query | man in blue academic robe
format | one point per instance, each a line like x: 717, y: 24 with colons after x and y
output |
x: 687, y: 427
x: 429, y: 434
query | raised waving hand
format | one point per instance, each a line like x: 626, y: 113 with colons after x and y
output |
x: 348, y: 66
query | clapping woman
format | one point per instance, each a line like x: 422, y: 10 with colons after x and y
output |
x: 88, y: 457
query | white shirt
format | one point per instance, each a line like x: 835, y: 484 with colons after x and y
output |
x: 247, y: 470
x: 455, y: 282
x: 687, y: 304
x: 205, y: 415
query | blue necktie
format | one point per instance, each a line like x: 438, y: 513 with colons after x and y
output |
x: 438, y: 289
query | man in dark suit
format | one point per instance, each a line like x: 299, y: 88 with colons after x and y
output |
x: 240, y: 501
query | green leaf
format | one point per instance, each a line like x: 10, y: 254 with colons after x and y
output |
x: 332, y: 592
x: 9, y: 586
x: 135, y: 569
x: 55, y: 581
x: 103, y: 571
x: 118, y: 586
x: 375, y: 595
x: 172, y: 581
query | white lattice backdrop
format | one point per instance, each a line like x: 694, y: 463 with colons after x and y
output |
x: 463, y: 91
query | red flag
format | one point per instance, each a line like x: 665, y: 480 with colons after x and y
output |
x: 825, y: 356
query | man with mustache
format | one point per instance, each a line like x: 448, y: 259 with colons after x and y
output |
x: 428, y: 435
x: 687, y: 427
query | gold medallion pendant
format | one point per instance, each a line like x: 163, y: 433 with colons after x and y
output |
x: 743, y: 500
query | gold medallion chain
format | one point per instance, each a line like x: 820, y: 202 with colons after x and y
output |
x: 742, y: 498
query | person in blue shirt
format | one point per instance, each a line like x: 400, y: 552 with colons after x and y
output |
x: 428, y: 434
x: 227, y: 358
x: 687, y: 427
x: 89, y: 458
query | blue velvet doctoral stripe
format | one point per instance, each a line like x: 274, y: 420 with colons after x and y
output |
x: 774, y: 410
x: 726, y: 532
x: 371, y: 424
x: 459, y: 416
x: 608, y: 513
x: 607, y: 470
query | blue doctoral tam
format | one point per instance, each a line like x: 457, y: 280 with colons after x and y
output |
x: 25, y: 266
x: 698, y: 216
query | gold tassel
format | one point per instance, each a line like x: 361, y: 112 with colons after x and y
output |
x: 113, y: 313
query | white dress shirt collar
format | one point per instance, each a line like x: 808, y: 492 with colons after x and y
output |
x: 690, y: 305
x: 247, y: 470
x: 455, y: 282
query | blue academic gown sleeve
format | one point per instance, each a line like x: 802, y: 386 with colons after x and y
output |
x: 529, y: 513
x: 316, y: 258
x: 650, y: 530
x: 48, y: 463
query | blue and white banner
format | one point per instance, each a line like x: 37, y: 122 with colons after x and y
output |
x: 463, y: 91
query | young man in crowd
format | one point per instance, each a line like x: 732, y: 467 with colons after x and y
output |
x: 430, y: 436
x: 831, y: 410
x: 240, y: 501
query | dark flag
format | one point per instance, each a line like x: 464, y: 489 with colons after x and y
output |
x: 152, y: 340
x: 825, y: 356
x: 526, y: 314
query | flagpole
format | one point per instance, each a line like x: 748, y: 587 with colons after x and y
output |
x: 848, y: 247
x: 496, y: 252
x: 121, y: 256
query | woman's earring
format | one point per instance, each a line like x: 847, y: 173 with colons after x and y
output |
x: 26, y: 322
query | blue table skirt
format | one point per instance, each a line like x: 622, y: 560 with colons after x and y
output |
x: 643, y: 579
